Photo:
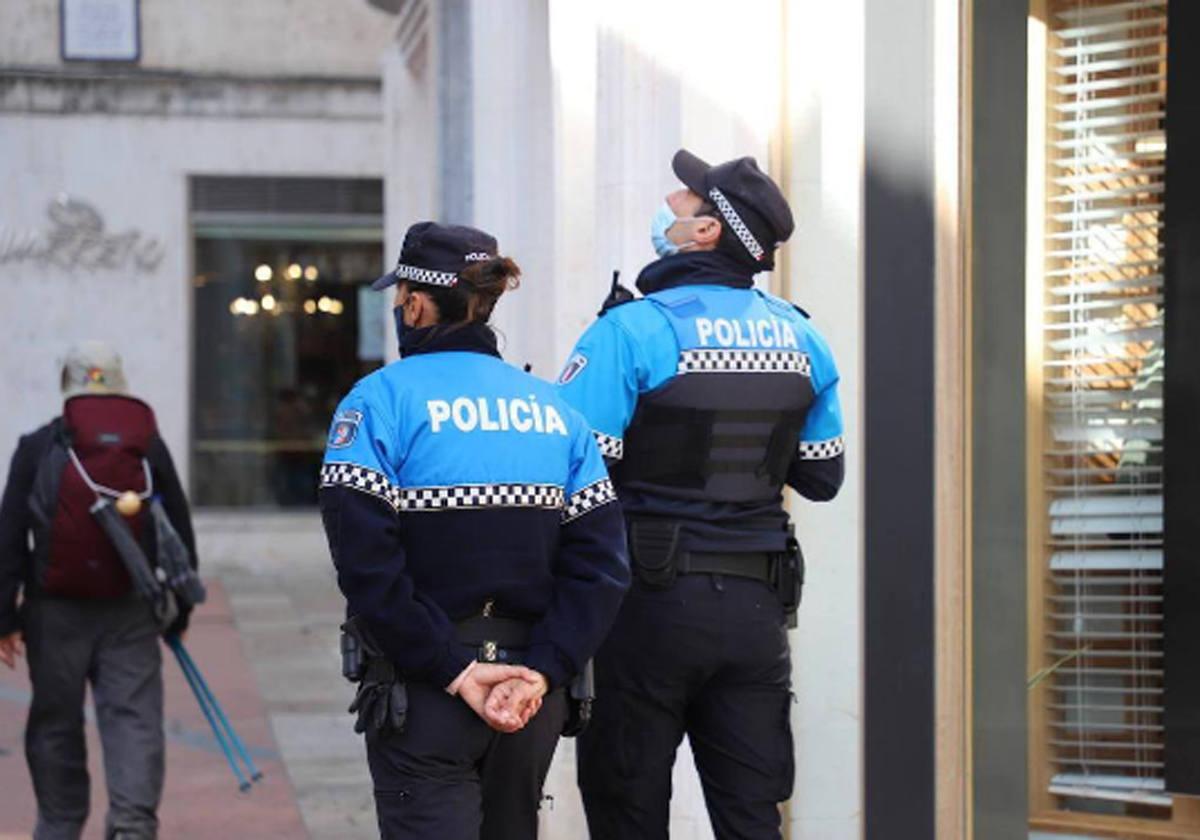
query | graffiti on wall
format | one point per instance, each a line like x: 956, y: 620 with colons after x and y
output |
x: 76, y: 239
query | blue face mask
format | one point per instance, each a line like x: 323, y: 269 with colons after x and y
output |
x: 664, y: 217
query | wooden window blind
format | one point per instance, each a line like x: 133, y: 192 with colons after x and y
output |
x: 1101, y: 629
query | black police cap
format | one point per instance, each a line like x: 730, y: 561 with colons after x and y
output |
x: 751, y: 204
x: 434, y: 253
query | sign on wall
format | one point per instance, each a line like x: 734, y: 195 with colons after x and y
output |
x: 100, y: 30
x: 78, y: 239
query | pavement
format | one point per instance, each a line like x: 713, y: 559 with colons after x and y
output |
x: 288, y: 624
x: 201, y: 798
x: 267, y: 641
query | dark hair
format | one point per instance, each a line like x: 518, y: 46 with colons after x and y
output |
x: 474, y: 296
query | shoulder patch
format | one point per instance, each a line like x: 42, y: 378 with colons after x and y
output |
x: 573, y: 368
x: 802, y: 311
x: 345, y: 428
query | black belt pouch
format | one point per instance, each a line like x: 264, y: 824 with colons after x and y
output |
x: 652, y: 548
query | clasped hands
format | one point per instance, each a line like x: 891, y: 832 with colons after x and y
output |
x: 506, y: 697
x: 10, y: 648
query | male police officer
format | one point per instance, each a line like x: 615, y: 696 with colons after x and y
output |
x: 707, y: 396
x: 472, y: 524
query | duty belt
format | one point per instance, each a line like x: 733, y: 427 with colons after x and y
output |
x: 756, y: 565
x: 658, y: 558
x: 495, y: 639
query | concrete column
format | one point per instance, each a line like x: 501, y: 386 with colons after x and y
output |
x: 823, y: 159
x: 410, y: 130
x: 513, y: 175
x: 454, y: 57
x: 574, y: 72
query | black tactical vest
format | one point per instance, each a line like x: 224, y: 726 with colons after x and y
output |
x: 724, y: 429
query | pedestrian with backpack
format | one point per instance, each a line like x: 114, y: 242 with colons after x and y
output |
x: 80, y: 617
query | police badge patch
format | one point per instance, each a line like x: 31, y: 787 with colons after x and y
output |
x: 573, y: 368
x: 345, y: 428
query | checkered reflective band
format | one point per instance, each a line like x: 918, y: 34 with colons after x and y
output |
x: 466, y: 496
x: 472, y: 496
x: 611, y: 447
x: 735, y: 221
x: 728, y: 360
x: 362, y: 479
x: 819, y: 450
x: 588, y: 499
x: 425, y: 275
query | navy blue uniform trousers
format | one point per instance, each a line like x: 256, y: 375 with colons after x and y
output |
x: 451, y: 777
x: 707, y: 657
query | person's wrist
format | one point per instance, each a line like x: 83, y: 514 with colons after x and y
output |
x: 457, y: 684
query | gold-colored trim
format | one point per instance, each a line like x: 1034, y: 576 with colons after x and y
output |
x: 951, y: 424
x: 1035, y: 216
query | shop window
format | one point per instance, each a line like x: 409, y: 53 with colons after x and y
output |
x: 1097, y: 726
x: 284, y: 324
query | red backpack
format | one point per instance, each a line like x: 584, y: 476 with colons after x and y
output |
x: 109, y: 435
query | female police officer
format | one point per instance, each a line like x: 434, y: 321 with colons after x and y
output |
x: 472, y: 524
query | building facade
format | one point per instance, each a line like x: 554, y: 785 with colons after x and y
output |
x: 146, y: 200
x: 995, y: 231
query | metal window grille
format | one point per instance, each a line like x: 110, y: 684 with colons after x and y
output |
x: 1103, y: 381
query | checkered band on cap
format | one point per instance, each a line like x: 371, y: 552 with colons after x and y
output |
x: 735, y: 221
x: 425, y: 275
x: 611, y: 447
x: 728, y: 360
x: 474, y: 496
x: 363, y: 479
x: 819, y: 450
x: 588, y: 499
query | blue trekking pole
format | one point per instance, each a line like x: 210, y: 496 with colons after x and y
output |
x: 208, y: 704
x: 234, y: 738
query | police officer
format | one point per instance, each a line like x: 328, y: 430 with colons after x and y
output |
x: 476, y: 538
x: 707, y: 396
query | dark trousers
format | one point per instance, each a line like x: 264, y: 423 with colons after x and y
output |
x: 449, y: 776
x: 708, y: 658
x: 114, y: 646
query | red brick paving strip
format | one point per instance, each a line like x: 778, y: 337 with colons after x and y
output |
x: 201, y: 799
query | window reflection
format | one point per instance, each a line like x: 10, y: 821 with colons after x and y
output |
x: 282, y: 330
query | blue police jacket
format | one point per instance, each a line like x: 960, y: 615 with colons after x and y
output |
x: 705, y: 352
x: 452, y: 479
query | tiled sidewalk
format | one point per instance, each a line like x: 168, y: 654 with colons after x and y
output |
x: 201, y: 799
x: 288, y: 622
